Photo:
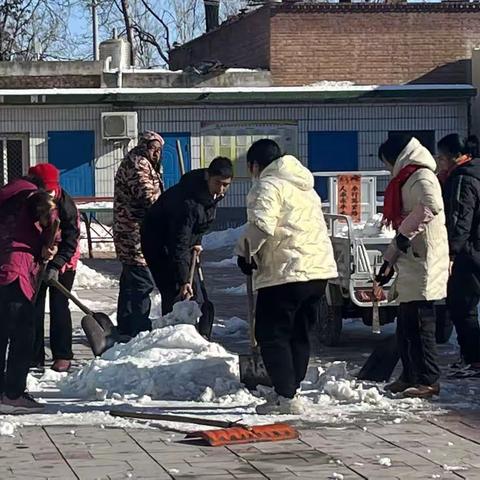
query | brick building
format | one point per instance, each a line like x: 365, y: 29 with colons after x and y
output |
x: 365, y: 43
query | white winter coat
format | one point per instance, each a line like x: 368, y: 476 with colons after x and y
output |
x: 284, y: 208
x: 422, y: 272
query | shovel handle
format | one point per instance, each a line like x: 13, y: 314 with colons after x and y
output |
x: 181, y: 163
x: 251, y: 306
x: 193, y: 265
x: 375, y: 308
x: 71, y: 297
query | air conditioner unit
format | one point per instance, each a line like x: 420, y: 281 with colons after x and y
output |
x: 119, y: 125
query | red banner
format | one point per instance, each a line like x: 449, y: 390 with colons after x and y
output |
x: 349, y: 196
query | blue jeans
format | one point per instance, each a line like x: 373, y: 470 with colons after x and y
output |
x: 134, y: 304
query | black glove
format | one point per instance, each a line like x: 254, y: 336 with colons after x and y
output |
x: 51, y: 274
x: 246, y: 268
x: 385, y: 274
x: 403, y: 243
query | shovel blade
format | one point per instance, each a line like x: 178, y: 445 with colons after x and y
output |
x: 205, y: 323
x: 382, y: 361
x: 95, y: 335
x: 239, y: 435
x: 253, y: 371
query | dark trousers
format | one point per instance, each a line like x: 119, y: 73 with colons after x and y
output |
x: 462, y: 304
x: 60, y: 322
x: 16, y: 331
x: 284, y: 317
x: 417, y: 344
x: 134, y: 300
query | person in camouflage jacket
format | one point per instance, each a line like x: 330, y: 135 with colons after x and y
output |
x: 138, y: 184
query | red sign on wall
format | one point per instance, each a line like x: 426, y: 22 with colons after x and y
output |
x: 349, y: 196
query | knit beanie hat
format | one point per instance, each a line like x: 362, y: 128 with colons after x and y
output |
x: 149, y: 136
x: 49, y: 174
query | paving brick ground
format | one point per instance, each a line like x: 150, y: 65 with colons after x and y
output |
x: 444, y: 447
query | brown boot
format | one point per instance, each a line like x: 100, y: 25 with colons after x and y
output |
x: 397, y: 386
x: 61, y: 365
x: 422, y: 391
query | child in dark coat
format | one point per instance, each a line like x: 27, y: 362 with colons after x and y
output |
x: 25, y: 221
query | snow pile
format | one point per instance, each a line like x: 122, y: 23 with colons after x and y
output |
x: 332, y: 385
x: 328, y: 85
x: 223, y: 238
x: 95, y: 206
x: 170, y: 363
x: 185, y: 312
x: 88, y: 278
x: 232, y: 327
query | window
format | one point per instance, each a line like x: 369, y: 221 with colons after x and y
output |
x: 233, y: 141
x: 12, y: 157
x: 425, y: 137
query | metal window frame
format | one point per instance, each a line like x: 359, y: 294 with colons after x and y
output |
x: 24, y: 138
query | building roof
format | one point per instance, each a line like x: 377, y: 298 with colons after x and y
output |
x: 329, y: 92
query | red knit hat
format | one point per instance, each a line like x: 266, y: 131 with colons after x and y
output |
x: 49, y: 174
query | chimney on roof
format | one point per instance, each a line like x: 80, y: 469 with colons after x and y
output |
x: 212, y: 8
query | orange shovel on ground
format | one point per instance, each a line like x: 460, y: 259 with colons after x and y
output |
x: 228, y: 433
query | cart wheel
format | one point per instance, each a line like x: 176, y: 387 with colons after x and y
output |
x: 444, y: 325
x: 330, y: 323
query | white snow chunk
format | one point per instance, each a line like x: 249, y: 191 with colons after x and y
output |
x: 450, y: 444
x: 232, y: 327
x: 337, y: 476
x: 186, y: 312
x: 7, y: 429
x: 385, y: 461
x: 222, y: 238
x: 453, y: 468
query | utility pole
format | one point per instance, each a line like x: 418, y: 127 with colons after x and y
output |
x: 96, y: 54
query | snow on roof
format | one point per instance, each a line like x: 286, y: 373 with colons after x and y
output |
x: 318, y: 87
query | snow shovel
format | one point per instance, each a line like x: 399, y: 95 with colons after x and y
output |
x: 100, y: 331
x: 205, y: 323
x: 43, y: 268
x: 228, y: 433
x: 252, y: 368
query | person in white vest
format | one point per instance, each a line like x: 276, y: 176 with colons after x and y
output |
x: 293, y: 260
x: 419, y: 254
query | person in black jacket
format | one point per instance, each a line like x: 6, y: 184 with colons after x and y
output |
x: 61, y: 268
x: 175, y: 224
x: 461, y: 190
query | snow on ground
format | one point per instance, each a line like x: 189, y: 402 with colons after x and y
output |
x: 95, y: 206
x: 88, y: 278
x: 102, y: 240
x: 240, y: 290
x: 223, y: 238
x: 231, y: 327
x: 373, y: 227
x: 225, y: 263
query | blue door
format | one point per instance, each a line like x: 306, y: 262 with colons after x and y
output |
x: 171, y: 168
x: 73, y: 153
x: 331, y: 151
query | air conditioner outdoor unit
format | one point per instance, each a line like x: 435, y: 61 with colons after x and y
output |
x: 119, y: 125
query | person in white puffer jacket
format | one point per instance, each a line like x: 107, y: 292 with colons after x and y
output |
x: 293, y: 260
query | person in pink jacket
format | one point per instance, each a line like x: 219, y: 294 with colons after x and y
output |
x: 25, y: 221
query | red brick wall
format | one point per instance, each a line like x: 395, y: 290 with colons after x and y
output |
x: 243, y: 43
x: 46, y: 81
x: 371, y: 48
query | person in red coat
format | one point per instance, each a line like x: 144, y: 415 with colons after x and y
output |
x: 25, y: 222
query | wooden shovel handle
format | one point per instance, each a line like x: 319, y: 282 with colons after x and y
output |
x: 193, y: 266
x: 71, y: 297
x: 251, y: 305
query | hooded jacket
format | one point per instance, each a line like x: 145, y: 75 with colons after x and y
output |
x: 284, y: 206
x: 462, y: 205
x: 137, y: 187
x: 21, y: 240
x: 175, y: 223
x: 422, y: 272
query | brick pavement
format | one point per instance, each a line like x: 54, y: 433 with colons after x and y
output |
x: 444, y: 447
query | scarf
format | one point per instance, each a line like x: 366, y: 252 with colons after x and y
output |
x: 393, y: 205
x: 443, y: 175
